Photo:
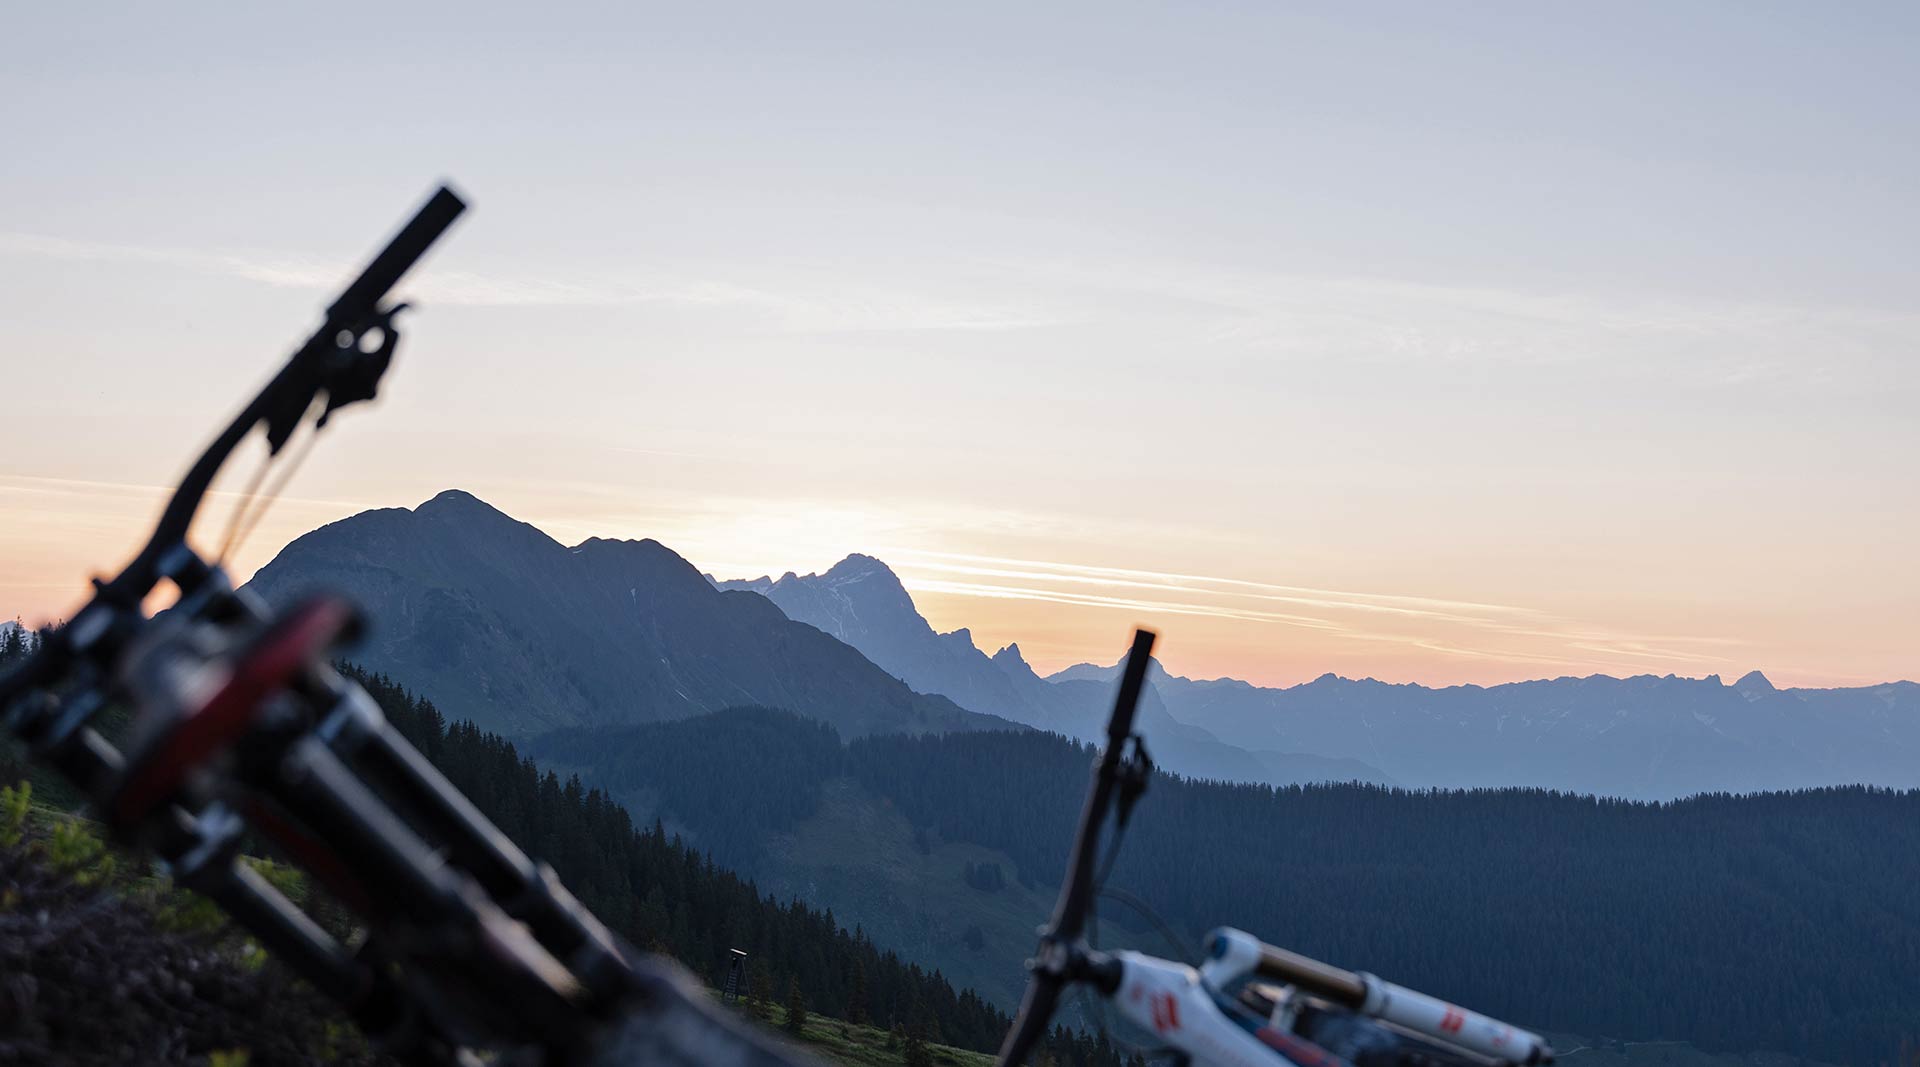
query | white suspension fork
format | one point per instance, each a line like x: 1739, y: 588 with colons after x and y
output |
x: 1235, y: 954
x: 1168, y: 1000
x: 1438, y: 1019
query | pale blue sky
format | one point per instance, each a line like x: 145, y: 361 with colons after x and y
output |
x: 1601, y: 312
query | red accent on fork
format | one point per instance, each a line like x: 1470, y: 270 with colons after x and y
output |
x: 266, y: 668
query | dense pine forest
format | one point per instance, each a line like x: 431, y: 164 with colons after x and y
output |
x: 1779, y: 921
x: 665, y: 896
x: 16, y: 642
x: 758, y: 770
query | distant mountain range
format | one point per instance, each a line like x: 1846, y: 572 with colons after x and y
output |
x: 1650, y: 737
x: 1645, y: 737
x: 860, y: 601
x: 523, y: 634
x: 487, y: 614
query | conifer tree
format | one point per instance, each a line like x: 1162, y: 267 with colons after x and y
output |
x: 857, y: 994
x: 796, y: 1008
x: 759, y: 990
x: 918, y: 1055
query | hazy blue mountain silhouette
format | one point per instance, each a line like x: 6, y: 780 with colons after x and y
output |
x: 860, y: 601
x: 1646, y: 736
x: 484, y: 613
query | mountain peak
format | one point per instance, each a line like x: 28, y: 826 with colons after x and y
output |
x: 961, y: 643
x: 1014, y: 665
x: 455, y: 499
x: 460, y: 506
x: 1754, y: 682
x: 626, y: 544
x: 522, y: 634
x: 857, y: 566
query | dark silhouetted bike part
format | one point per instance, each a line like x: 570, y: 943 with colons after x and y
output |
x: 473, y: 951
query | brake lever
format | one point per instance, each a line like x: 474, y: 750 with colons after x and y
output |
x: 357, y: 375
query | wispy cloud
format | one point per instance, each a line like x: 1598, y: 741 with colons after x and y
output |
x: 1396, y: 603
x: 1703, y: 343
x: 800, y: 305
x: 1164, y: 607
x: 1485, y: 655
x: 43, y: 486
x: 1696, y: 342
x: 1454, y: 628
x: 667, y: 452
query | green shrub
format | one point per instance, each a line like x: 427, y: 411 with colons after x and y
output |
x: 76, y: 852
x: 14, y: 803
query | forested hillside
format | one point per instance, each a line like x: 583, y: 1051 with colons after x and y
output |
x: 1778, y: 921
x: 1783, y: 921
x: 728, y: 778
x: 665, y: 896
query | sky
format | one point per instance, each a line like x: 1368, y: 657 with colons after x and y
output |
x: 1437, y: 343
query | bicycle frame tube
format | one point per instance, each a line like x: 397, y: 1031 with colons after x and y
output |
x: 1169, y: 1001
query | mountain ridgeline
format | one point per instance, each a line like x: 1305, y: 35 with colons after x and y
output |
x: 1647, y: 736
x: 488, y: 614
x: 861, y: 602
x: 1783, y: 921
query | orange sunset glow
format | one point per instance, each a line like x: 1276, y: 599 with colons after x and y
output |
x: 1324, y: 388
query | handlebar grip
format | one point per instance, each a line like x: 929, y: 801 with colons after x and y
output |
x: 399, y: 256
x: 1133, y: 677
